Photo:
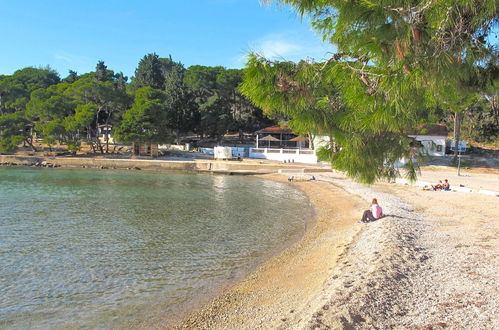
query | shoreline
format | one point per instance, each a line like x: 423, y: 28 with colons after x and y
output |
x: 279, y: 289
x: 430, y: 262
x: 247, y: 167
x: 199, y: 303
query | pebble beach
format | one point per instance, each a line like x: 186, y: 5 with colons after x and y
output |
x: 431, y: 262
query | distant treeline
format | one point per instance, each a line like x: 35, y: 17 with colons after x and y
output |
x: 163, y: 101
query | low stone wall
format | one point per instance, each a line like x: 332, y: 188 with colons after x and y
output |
x: 146, y: 164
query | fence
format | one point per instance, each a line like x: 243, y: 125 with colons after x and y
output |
x: 284, y: 155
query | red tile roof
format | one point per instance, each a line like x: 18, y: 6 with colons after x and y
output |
x: 433, y: 130
x: 275, y: 129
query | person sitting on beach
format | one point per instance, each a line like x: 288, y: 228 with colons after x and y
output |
x: 291, y: 178
x: 374, y: 213
x: 438, y: 186
x: 446, y: 185
x: 312, y: 178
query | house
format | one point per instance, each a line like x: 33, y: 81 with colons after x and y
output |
x: 104, y: 133
x: 145, y: 149
x: 432, y: 138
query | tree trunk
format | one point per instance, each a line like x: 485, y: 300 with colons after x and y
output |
x: 333, y: 144
x: 457, y: 133
x: 29, y: 140
x: 177, y: 136
x: 96, y: 133
x: 97, y: 143
x: 107, y: 138
x: 109, y: 113
x: 311, y: 141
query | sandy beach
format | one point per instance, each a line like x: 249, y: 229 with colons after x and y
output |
x: 431, y: 262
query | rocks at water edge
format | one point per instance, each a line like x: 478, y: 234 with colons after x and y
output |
x: 34, y: 164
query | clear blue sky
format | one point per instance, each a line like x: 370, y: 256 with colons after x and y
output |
x: 67, y: 34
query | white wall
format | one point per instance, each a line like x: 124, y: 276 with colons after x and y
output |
x: 222, y: 152
x: 433, y: 145
x: 288, y: 155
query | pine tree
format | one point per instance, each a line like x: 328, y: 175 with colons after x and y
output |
x: 397, y: 61
x: 147, y: 119
x: 149, y: 73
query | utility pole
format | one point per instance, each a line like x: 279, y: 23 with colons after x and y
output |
x: 459, y: 162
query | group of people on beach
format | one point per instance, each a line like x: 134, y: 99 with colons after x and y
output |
x: 292, y: 178
x: 445, y: 186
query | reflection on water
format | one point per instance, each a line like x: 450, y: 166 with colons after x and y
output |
x: 99, y: 248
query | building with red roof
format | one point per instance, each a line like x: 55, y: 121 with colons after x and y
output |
x: 280, y: 137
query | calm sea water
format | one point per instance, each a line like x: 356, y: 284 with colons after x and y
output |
x: 101, y: 249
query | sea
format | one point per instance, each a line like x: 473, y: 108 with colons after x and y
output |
x: 106, y: 249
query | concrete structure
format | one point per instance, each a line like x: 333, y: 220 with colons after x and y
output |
x: 222, y: 153
x: 223, y: 167
x: 145, y: 149
x: 285, y: 155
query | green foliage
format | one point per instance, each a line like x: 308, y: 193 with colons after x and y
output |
x: 12, y: 130
x: 102, y: 73
x: 222, y: 107
x: 84, y: 117
x: 50, y: 103
x: 52, y: 131
x: 182, y: 111
x: 70, y: 112
x: 15, y: 90
x: 146, y: 120
x: 480, y: 122
x: 148, y: 73
x: 71, y: 78
x: 398, y: 62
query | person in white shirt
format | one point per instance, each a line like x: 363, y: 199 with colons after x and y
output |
x: 374, y: 213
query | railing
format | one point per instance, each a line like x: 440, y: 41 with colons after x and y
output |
x: 285, y: 155
x: 282, y: 151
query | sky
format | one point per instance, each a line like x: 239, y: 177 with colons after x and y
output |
x: 76, y: 34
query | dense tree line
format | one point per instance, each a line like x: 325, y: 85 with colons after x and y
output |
x: 163, y: 101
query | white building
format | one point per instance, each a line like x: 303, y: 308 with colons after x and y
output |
x: 432, y: 139
x: 281, y: 144
x: 104, y: 133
